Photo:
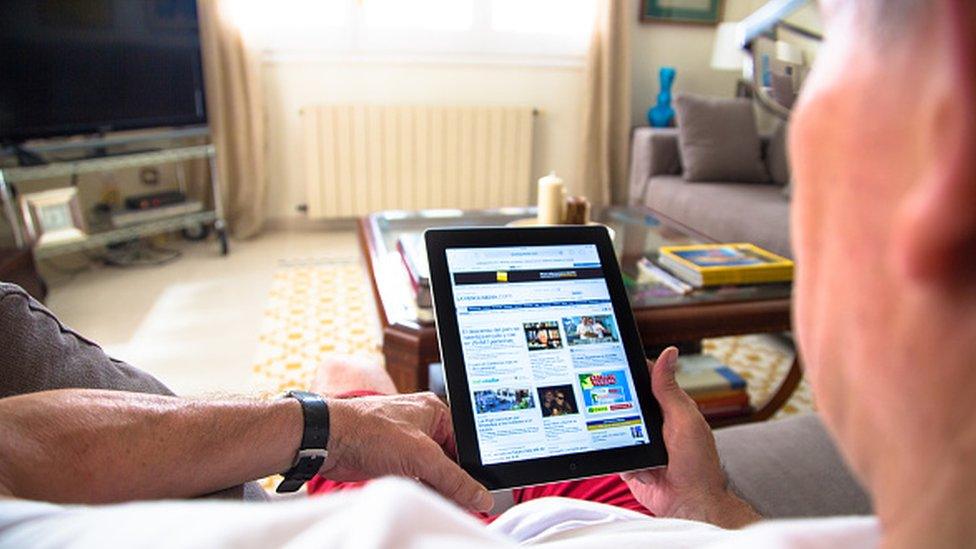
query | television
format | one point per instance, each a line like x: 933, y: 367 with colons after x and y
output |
x: 92, y: 66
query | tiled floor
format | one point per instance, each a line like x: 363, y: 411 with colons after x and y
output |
x: 193, y: 323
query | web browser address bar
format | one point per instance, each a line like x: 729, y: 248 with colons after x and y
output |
x: 528, y: 262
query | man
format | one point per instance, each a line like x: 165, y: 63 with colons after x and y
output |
x: 884, y: 229
x: 562, y: 406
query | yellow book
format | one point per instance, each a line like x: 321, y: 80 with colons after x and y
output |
x: 722, y: 264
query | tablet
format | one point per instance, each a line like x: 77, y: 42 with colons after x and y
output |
x: 544, y: 366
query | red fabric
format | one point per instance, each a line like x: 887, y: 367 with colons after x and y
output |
x: 609, y: 489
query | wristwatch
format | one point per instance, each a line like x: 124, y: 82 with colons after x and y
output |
x: 312, y: 452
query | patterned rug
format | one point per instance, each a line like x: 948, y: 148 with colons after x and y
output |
x: 316, y: 308
x: 319, y: 307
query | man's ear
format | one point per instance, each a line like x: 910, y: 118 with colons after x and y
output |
x: 935, y: 236
x: 935, y: 233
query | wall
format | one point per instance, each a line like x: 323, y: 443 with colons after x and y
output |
x: 687, y: 47
x: 292, y: 81
x: 303, y: 79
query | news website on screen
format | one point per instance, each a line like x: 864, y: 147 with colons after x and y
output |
x: 546, y: 368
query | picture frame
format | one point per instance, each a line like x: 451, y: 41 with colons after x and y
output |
x: 700, y: 12
x: 53, y: 216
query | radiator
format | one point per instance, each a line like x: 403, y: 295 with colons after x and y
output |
x: 363, y: 158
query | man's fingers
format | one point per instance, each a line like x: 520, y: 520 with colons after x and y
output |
x: 440, y: 473
x: 441, y: 429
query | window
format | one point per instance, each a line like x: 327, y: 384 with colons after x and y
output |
x: 425, y: 15
x: 516, y: 30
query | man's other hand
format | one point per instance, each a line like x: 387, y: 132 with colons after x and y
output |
x: 693, y: 485
x: 405, y: 435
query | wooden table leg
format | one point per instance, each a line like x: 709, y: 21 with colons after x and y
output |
x: 409, y: 354
x: 404, y: 362
x: 783, y: 393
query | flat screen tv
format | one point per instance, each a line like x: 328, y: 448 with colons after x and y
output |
x: 86, y: 66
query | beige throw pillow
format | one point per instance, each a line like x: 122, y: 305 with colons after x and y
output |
x: 719, y: 140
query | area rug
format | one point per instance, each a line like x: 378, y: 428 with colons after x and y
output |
x: 320, y: 307
x: 316, y: 308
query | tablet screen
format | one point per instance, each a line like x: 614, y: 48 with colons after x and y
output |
x: 546, y: 368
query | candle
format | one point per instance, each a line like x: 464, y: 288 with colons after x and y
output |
x: 552, y: 199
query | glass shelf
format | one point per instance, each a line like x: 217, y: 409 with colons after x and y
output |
x: 122, y: 234
x: 92, y: 165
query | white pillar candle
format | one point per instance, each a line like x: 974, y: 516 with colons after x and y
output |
x: 552, y: 199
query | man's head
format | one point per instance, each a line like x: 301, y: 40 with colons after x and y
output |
x: 883, y: 145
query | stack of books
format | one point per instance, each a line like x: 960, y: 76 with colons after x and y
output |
x: 717, y: 389
x: 413, y: 253
x: 725, y: 264
x: 651, y: 275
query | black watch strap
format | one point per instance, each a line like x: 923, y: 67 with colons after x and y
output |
x: 312, y: 452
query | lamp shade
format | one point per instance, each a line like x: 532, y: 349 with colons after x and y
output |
x: 727, y: 54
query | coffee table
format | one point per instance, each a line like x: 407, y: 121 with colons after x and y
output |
x: 410, y: 339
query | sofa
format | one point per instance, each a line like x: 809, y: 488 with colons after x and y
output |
x: 717, y: 210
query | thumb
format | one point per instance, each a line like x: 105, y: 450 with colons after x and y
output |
x: 665, y: 388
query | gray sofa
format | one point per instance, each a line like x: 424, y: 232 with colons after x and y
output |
x: 728, y: 212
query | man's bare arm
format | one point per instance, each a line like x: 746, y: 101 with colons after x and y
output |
x: 91, y: 446
x: 79, y: 445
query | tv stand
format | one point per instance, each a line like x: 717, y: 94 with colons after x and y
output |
x: 106, y: 235
x: 26, y: 157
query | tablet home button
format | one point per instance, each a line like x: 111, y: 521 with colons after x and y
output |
x: 572, y: 466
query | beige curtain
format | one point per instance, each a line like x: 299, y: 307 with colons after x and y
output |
x: 235, y: 110
x: 605, y: 135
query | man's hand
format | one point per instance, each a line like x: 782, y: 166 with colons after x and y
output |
x: 405, y: 435
x: 693, y: 485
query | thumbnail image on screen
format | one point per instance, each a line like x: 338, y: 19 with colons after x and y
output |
x: 503, y: 400
x: 558, y: 400
x: 540, y: 336
x: 583, y: 330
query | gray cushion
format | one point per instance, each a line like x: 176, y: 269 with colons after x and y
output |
x: 790, y: 468
x: 726, y: 212
x: 719, y: 140
x: 777, y: 155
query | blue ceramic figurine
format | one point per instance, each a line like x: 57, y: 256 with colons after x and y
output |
x: 661, y: 115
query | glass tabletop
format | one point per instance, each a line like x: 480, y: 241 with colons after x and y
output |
x: 636, y: 234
